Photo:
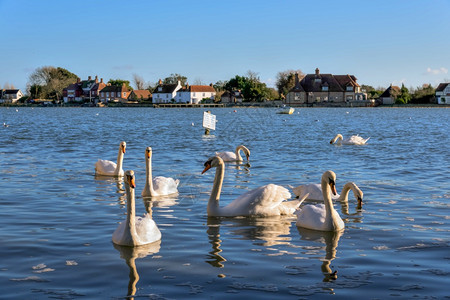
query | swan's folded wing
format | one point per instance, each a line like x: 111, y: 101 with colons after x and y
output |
x: 105, y: 167
x: 226, y: 155
x: 165, y: 185
x: 262, y: 201
x: 314, y: 191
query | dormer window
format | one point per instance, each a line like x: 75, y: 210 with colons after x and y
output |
x: 160, y: 89
x: 349, y: 88
x: 325, y: 88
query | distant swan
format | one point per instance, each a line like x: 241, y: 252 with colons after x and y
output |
x: 322, y: 217
x: 135, y: 230
x: 315, y: 192
x: 267, y: 200
x: 228, y: 156
x: 157, y: 186
x: 109, y: 168
x: 353, y: 140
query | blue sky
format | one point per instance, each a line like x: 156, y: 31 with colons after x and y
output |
x: 380, y: 42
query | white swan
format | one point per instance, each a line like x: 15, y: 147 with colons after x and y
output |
x: 321, y: 217
x: 157, y: 186
x: 135, y: 230
x: 315, y: 192
x: 109, y: 168
x: 228, y: 156
x: 267, y: 200
x: 353, y: 140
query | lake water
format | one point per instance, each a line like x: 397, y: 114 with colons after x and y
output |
x: 57, y: 218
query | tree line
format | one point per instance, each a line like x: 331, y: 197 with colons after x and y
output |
x: 48, y: 82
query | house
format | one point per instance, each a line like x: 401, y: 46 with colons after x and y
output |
x: 443, y: 93
x: 389, y: 95
x: 232, y: 97
x: 193, y: 94
x: 83, y: 90
x: 140, y: 95
x: 10, y: 95
x: 164, y: 93
x: 323, y: 88
x: 114, y: 93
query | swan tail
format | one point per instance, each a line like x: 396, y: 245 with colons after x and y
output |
x: 293, y: 205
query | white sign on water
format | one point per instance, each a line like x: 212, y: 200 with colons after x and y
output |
x: 209, y: 120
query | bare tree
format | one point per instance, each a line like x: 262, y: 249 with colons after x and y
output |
x: 139, y: 82
x: 197, y: 81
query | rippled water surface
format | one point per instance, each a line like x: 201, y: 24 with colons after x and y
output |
x: 57, y: 218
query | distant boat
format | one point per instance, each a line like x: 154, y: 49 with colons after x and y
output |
x: 287, y: 111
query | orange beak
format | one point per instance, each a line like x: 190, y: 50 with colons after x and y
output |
x: 207, y: 167
x: 123, y: 149
x: 148, y: 154
x: 333, y: 188
x: 132, y: 184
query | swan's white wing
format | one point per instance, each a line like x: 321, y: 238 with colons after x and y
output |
x: 314, y: 190
x: 314, y: 217
x: 311, y: 216
x: 147, y: 230
x: 165, y: 185
x: 263, y: 201
x: 356, y: 140
x: 105, y: 167
x: 227, y: 156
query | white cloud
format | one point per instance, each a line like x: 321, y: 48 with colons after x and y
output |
x: 441, y: 70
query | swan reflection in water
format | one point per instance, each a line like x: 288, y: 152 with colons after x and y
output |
x: 331, y: 240
x: 104, y: 182
x: 130, y: 254
x: 267, y: 231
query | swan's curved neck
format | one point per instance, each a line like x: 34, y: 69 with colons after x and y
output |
x: 330, y: 212
x: 345, y: 190
x: 131, y: 213
x: 148, y: 177
x: 238, y: 153
x: 213, y: 203
x: 119, y: 161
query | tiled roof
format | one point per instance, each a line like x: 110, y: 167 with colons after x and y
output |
x: 144, y: 94
x: 166, y: 88
x: 441, y: 87
x: 10, y: 92
x: 346, y: 80
x: 388, y: 92
x: 114, y: 88
x: 199, y: 88
x: 310, y: 84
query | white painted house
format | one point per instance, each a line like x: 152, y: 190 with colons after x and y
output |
x: 164, y: 93
x: 10, y: 95
x: 193, y: 94
x: 443, y: 93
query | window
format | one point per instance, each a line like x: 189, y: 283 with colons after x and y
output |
x: 349, y: 88
x: 107, y: 94
x: 193, y: 94
x: 203, y: 94
x: 103, y: 94
x: 124, y: 94
x: 160, y: 89
x: 325, y: 88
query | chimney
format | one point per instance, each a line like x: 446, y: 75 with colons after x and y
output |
x: 296, y: 80
x: 89, y: 77
x: 96, y: 79
x: 78, y: 79
x: 317, y: 71
x: 101, y: 80
x: 211, y: 85
x: 160, y: 82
